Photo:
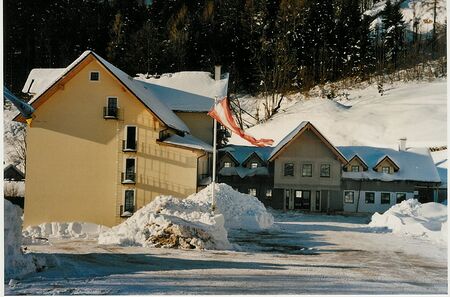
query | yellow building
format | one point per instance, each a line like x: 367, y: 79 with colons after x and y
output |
x: 102, y: 144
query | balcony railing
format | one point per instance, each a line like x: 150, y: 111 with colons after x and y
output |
x: 126, y: 212
x: 110, y: 112
x: 128, y: 177
x: 129, y: 146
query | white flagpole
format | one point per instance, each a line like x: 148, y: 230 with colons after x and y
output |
x: 213, y: 204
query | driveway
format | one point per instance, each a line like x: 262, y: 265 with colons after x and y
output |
x: 302, y: 254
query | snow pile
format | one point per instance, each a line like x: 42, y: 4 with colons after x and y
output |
x: 69, y: 230
x: 189, y: 223
x: 241, y: 211
x: 17, y: 263
x: 410, y: 217
x: 172, y: 223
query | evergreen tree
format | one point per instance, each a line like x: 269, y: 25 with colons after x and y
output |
x: 393, y: 28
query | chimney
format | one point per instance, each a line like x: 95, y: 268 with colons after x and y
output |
x: 217, y: 71
x: 402, y: 144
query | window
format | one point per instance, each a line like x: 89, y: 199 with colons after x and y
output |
x: 94, y: 76
x: 129, y: 175
x: 385, y: 169
x: 385, y: 198
x: 289, y: 169
x: 129, y: 202
x: 130, y: 142
x: 252, y: 191
x: 370, y: 197
x: 307, y: 170
x: 110, y: 110
x: 227, y: 164
x: 325, y: 170
x: 254, y: 165
x: 349, y: 197
x: 269, y: 193
x: 355, y: 168
x: 401, y: 197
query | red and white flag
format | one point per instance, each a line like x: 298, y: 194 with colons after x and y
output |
x: 223, y: 115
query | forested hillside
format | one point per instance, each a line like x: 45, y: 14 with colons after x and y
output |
x: 268, y: 46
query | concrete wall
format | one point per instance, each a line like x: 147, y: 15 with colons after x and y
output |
x: 75, y: 158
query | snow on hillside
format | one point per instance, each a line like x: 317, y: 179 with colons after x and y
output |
x: 419, y: 9
x: 416, y: 110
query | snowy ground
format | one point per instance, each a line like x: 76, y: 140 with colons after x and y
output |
x: 303, y: 254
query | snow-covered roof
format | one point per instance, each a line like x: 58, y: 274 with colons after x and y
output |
x: 242, y: 153
x: 415, y: 164
x: 40, y: 79
x: 243, y: 172
x: 178, y: 100
x: 195, y: 82
x: 165, y: 114
x: 189, y: 141
x: 291, y: 135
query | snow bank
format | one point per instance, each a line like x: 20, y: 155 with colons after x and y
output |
x: 17, y: 263
x: 241, y: 211
x: 189, y: 223
x: 69, y: 230
x: 170, y: 222
x: 428, y: 220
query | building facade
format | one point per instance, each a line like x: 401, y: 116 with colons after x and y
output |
x: 306, y: 172
x: 101, y: 145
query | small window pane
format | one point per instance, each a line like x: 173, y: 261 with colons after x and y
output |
x: 227, y: 164
x: 269, y: 193
x: 385, y: 198
x: 129, y: 201
x: 307, y: 170
x: 325, y: 170
x: 385, y: 170
x: 355, y: 168
x: 254, y: 165
x: 131, y: 138
x: 370, y: 197
x: 401, y: 197
x: 349, y: 197
x: 298, y: 194
x: 95, y: 76
x: 252, y: 191
x: 289, y: 169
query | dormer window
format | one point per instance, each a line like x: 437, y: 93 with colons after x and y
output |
x: 355, y: 168
x: 227, y: 164
x: 254, y: 165
x: 386, y: 169
x: 94, y: 76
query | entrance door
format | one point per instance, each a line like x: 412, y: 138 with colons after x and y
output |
x: 298, y: 199
x: 306, y: 200
x: 288, y: 199
x: 302, y: 199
